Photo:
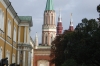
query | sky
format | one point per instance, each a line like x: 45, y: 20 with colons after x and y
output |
x: 35, y: 8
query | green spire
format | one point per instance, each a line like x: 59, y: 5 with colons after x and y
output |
x: 49, y: 5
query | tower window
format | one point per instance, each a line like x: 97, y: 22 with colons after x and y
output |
x: 46, y: 40
x: 51, y: 39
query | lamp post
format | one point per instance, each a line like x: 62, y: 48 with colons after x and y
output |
x: 98, y: 10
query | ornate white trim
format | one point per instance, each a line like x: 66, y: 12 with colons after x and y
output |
x: 24, y: 24
x: 49, y: 30
x: 42, y: 54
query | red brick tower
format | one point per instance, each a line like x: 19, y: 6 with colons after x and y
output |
x: 71, y: 28
x: 59, y: 24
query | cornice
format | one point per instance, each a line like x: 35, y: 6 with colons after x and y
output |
x: 11, y: 10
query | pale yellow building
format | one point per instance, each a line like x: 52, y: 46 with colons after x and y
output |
x: 14, y: 35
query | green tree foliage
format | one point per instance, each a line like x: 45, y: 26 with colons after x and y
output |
x: 82, y: 45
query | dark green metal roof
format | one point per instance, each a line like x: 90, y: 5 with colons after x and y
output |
x: 49, y: 5
x: 26, y: 19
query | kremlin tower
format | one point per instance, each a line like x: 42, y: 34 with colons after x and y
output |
x: 42, y: 52
x: 71, y: 28
x: 48, y: 27
x: 59, y: 24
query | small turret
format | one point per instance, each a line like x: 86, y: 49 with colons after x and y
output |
x: 71, y: 28
x: 59, y: 24
x: 36, y: 41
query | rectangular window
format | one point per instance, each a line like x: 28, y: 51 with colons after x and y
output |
x: 9, y: 28
x: 13, y: 59
x: 14, y: 35
x: 0, y: 53
x: 8, y: 56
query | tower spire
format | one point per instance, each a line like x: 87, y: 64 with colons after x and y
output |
x: 49, y: 5
x: 59, y: 17
x: 71, y: 20
x: 59, y: 24
x: 71, y: 28
x: 36, y: 41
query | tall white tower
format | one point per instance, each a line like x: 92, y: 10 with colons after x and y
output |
x: 48, y: 27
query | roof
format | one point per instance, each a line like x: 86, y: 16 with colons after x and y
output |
x: 49, y: 5
x: 27, y: 19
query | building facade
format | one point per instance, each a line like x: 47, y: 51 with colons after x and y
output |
x: 14, y: 35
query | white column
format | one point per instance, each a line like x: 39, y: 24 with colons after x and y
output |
x: 23, y: 57
x: 50, y: 19
x: 18, y: 57
x: 25, y: 35
x: 44, y: 19
x: 28, y: 35
x: 19, y: 35
x: 28, y: 58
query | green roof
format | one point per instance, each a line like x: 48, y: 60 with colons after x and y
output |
x: 27, y: 19
x: 49, y: 5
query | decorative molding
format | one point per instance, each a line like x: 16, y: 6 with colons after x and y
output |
x: 49, y: 30
x: 15, y: 21
x: 42, y: 54
x: 24, y: 24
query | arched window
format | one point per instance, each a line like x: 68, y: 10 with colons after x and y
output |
x: 46, y: 39
x: 51, y: 39
x: 0, y: 18
x: 0, y: 53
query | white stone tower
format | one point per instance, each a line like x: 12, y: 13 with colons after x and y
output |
x: 48, y: 27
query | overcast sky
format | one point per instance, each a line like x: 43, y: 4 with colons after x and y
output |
x: 35, y: 8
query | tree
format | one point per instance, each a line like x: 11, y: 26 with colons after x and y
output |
x: 82, y: 45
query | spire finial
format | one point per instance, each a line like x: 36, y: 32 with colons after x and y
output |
x: 59, y: 12
x: 71, y: 20
x: 59, y: 18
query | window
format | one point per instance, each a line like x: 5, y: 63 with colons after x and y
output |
x: 9, y: 28
x: 0, y: 53
x: 8, y: 56
x: 13, y: 58
x: 14, y: 34
x: 46, y: 40
x: 51, y: 39
x: 41, y: 65
x: 1, y: 20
